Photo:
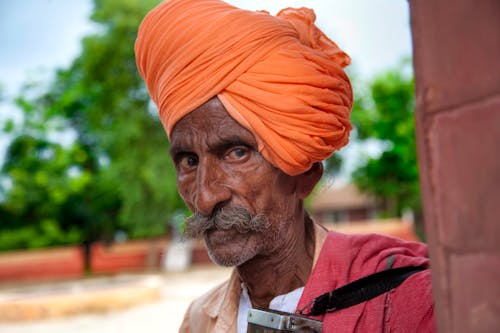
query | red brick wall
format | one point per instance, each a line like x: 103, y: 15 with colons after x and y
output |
x: 457, y: 74
x: 68, y: 262
x: 127, y: 257
x: 35, y: 265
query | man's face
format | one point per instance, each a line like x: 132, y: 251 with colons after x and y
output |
x: 220, y: 174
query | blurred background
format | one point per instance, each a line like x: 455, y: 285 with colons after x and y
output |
x: 88, y: 200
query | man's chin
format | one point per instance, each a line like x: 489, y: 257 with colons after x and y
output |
x: 227, y: 261
x: 216, y: 238
x: 229, y: 254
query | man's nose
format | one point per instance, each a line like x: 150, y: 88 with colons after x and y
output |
x: 210, y: 190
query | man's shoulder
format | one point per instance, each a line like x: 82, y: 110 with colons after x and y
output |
x: 353, y: 242
x: 370, y: 253
x: 345, y: 258
x: 211, y: 300
x: 203, y: 311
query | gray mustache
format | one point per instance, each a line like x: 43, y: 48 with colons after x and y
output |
x: 227, y: 218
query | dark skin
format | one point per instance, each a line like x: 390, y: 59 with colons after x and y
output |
x: 218, y: 165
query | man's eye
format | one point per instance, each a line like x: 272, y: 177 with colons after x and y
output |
x: 237, y: 153
x: 188, y: 161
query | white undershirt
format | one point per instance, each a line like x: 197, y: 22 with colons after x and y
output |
x: 286, y: 303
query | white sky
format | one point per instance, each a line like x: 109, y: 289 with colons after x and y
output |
x: 37, y: 36
x: 40, y: 35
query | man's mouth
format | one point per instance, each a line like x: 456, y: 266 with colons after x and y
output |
x: 221, y: 236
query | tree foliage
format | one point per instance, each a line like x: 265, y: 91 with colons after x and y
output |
x: 386, y: 113
x: 116, y: 172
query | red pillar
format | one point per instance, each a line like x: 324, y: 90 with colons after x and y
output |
x: 457, y: 74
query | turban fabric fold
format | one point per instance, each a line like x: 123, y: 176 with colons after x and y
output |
x: 279, y: 77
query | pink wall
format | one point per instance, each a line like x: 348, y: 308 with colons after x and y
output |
x: 457, y: 71
x: 58, y: 263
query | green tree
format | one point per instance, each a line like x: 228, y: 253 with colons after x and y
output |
x: 107, y: 104
x: 37, y: 170
x: 43, y: 179
x: 386, y: 113
x: 116, y: 173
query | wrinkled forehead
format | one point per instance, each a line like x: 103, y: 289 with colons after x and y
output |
x: 209, y: 123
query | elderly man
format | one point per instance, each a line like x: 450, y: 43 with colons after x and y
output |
x: 253, y: 104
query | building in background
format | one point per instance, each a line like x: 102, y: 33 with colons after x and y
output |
x: 348, y: 210
x: 343, y: 204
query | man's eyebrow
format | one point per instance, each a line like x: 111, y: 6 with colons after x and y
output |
x: 176, y: 149
x: 230, y: 142
x: 216, y: 147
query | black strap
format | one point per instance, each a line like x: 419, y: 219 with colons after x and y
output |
x: 359, y: 291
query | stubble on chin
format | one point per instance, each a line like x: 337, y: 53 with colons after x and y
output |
x: 231, y: 257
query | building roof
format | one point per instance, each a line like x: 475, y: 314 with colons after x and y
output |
x: 341, y: 198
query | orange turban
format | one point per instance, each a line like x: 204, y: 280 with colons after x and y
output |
x: 279, y: 77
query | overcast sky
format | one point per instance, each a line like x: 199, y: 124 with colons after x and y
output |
x: 37, y: 36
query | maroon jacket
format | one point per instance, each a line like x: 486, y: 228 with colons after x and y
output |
x: 345, y: 258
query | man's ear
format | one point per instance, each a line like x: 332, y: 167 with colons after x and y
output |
x: 309, y: 179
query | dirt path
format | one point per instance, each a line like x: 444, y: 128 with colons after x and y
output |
x: 165, y: 315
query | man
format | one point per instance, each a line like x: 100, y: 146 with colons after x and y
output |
x: 253, y: 104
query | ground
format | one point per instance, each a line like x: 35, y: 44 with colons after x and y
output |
x: 165, y: 315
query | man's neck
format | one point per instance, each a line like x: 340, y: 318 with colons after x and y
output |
x: 285, y: 269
